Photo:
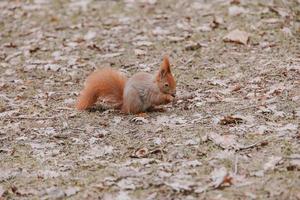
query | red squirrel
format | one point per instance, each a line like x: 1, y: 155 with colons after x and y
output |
x: 138, y: 94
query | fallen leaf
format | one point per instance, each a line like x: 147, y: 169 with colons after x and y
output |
x: 287, y: 129
x: 163, y: 174
x: 237, y: 36
x: 122, y: 195
x: 287, y: 31
x: 111, y: 55
x: 70, y: 191
x: 52, y: 67
x: 297, y: 112
x: 236, y: 10
x: 217, y: 21
x: 48, y: 174
x: 235, y: 2
x: 236, y: 88
x: 194, y: 141
x: 271, y: 20
x: 170, y: 120
x: 96, y: 152
x: 2, y: 191
x: 224, y: 155
x: 180, y: 184
x: 259, y: 173
x: 159, y: 31
x: 152, y: 196
x: 201, y: 189
x: 125, y: 172
x: 280, y: 11
x: 55, y: 193
x: 11, y: 56
x: 126, y: 184
x: 93, y: 46
x: 192, y: 46
x: 224, y: 141
x: 9, y: 72
x: 192, y: 163
x: 230, y: 120
x: 184, y: 26
x: 25, y: 191
x: 139, y: 120
x: 263, y: 129
x: 220, y: 177
x: 9, y: 45
x: 294, y: 163
x: 204, y: 28
x: 141, y: 153
x: 157, y: 141
x: 139, y: 52
x: 143, y: 43
x: 90, y: 35
x: 175, y: 39
x: 272, y: 162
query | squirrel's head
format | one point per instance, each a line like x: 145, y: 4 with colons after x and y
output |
x: 165, y: 79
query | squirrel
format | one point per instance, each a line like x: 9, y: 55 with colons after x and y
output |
x: 138, y: 94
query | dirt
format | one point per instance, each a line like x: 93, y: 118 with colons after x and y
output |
x: 232, y: 133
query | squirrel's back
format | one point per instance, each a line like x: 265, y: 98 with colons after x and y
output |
x: 138, y: 91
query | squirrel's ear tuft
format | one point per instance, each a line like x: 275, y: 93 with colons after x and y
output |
x: 165, y: 66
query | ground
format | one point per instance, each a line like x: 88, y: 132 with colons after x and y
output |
x: 231, y: 133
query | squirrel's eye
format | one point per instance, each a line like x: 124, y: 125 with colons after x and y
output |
x: 166, y: 84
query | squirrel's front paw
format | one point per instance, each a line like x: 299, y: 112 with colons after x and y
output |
x: 169, y: 98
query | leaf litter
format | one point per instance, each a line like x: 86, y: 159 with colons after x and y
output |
x: 233, y: 127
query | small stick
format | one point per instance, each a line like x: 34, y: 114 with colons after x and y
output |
x: 64, y: 108
x: 252, y: 145
x: 30, y: 118
x: 292, y: 157
x: 236, y: 164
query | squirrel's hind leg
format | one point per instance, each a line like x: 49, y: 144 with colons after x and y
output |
x: 132, y: 103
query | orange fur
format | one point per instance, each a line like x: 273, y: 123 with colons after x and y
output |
x: 106, y: 84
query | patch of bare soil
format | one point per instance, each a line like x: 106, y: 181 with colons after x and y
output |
x: 233, y: 132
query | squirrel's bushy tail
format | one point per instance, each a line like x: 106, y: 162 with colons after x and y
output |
x: 106, y: 84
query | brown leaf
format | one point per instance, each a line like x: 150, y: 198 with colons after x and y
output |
x: 235, y: 2
x: 10, y: 45
x: 192, y: 46
x: 93, y: 46
x: 230, y: 120
x: 140, y: 153
x: 216, y: 22
x: 237, y: 36
x: 236, y: 88
x: 280, y: 11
